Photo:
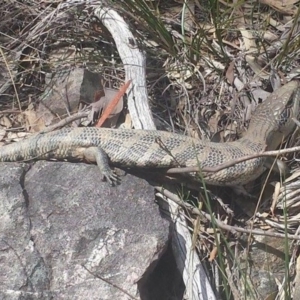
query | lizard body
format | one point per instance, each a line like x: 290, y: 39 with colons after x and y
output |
x: 270, y: 123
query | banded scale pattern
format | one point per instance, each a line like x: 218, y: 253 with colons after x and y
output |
x: 270, y: 124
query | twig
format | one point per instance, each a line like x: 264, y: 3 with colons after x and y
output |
x: 109, y: 283
x: 66, y: 121
x: 232, y: 229
x: 233, y: 162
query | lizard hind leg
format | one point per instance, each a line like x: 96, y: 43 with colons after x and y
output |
x: 98, y: 155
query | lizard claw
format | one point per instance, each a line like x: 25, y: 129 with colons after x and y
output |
x: 111, y: 177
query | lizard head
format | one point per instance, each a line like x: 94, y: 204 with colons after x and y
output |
x: 272, y: 120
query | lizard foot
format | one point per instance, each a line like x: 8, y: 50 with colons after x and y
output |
x: 111, y: 177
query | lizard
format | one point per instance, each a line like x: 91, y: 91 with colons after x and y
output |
x: 136, y: 148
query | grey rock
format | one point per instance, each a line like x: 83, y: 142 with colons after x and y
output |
x: 65, y: 90
x: 264, y: 264
x: 67, y: 235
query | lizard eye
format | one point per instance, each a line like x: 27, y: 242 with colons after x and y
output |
x: 286, y: 113
x: 284, y: 116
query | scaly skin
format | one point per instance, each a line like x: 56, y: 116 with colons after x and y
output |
x: 271, y: 122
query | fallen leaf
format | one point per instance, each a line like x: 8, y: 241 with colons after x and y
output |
x: 33, y: 122
x: 283, y: 6
x: 230, y: 73
x: 114, y: 105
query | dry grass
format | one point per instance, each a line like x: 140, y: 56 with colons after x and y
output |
x: 206, y: 64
